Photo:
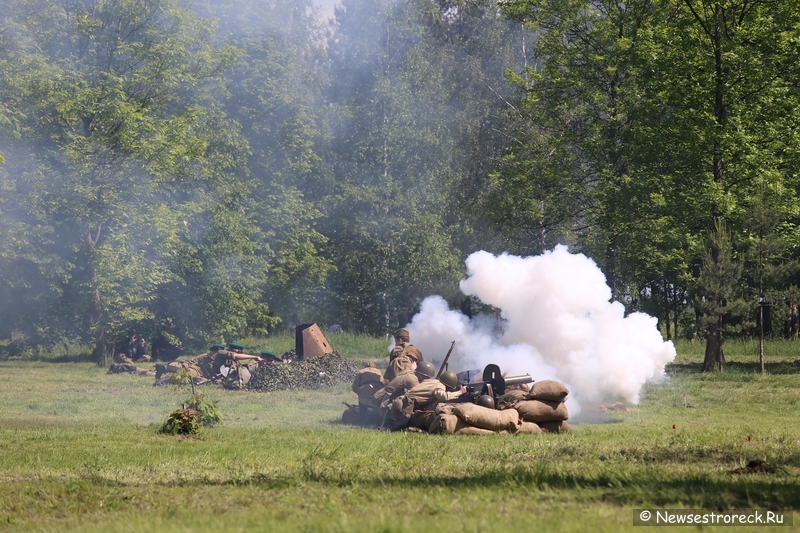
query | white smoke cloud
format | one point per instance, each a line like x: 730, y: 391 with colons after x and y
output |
x: 557, y: 324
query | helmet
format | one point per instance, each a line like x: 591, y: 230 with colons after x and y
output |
x: 449, y: 379
x: 426, y: 368
x: 484, y: 400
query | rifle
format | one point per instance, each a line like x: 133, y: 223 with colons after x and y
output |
x: 446, y: 357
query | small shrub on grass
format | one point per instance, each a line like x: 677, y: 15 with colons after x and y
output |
x: 208, y: 414
x: 196, y: 413
x: 181, y: 422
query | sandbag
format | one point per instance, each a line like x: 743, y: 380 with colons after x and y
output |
x: 548, y: 390
x: 464, y: 429
x: 443, y: 424
x: 444, y: 408
x: 528, y: 427
x: 422, y: 419
x: 541, y: 410
x: 554, y: 426
x: 516, y: 393
x: 483, y: 417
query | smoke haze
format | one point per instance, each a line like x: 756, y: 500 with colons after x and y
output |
x: 557, y: 323
x: 326, y: 7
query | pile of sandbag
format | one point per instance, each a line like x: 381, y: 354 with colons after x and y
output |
x: 544, y: 406
x: 538, y: 410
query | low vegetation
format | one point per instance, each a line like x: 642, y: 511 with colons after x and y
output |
x: 81, y: 451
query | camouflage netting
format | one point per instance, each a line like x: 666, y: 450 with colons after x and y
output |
x: 311, y: 373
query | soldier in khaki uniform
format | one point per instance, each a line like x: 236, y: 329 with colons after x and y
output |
x: 430, y: 391
x: 401, y: 356
x: 415, y: 407
x: 406, y: 380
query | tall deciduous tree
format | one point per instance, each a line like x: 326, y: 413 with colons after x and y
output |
x: 581, y: 171
x: 651, y: 120
x: 724, y: 92
x: 275, y: 94
x: 417, y: 96
x: 99, y: 92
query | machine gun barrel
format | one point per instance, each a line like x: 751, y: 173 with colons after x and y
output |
x: 493, y: 384
x: 518, y: 380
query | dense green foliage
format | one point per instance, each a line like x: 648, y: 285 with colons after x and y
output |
x: 233, y: 167
x: 660, y: 121
x: 219, y: 165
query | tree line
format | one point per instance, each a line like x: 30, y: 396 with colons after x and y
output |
x: 227, y: 167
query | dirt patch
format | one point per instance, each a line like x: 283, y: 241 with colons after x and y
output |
x: 755, y: 466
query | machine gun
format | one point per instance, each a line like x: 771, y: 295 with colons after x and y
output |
x: 493, y: 384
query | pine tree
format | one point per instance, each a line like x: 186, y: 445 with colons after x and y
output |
x: 718, y: 298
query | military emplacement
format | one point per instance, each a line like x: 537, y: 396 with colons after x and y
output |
x: 410, y: 395
x: 416, y: 399
x: 493, y: 404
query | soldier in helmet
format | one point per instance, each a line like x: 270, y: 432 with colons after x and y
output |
x: 401, y: 356
x: 432, y: 390
x: 415, y: 407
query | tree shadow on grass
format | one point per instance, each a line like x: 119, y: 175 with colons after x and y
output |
x: 77, y: 358
x: 754, y: 490
x: 718, y: 492
x: 734, y: 367
x: 71, y: 358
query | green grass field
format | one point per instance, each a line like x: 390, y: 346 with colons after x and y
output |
x: 79, y: 451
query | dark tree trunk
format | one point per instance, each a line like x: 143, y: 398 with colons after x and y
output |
x: 761, y: 336
x: 101, y: 348
x: 676, y: 306
x: 790, y: 327
x: 666, y: 310
x: 714, y: 354
x: 101, y: 345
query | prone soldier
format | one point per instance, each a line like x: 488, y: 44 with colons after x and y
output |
x: 205, y: 367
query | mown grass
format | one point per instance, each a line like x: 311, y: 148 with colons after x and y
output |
x: 79, y: 451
